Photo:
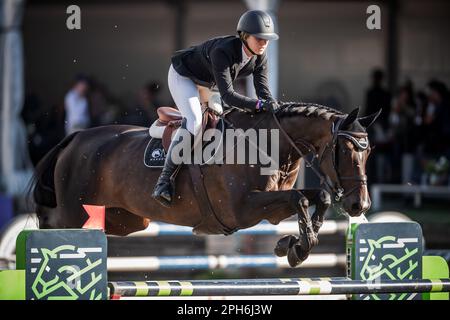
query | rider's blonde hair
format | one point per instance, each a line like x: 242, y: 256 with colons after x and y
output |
x: 244, y: 35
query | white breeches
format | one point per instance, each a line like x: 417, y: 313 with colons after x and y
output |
x: 186, y: 96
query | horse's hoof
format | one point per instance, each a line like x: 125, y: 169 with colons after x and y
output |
x: 296, y: 255
x: 284, y: 244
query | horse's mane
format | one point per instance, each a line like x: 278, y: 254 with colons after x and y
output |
x: 289, y: 109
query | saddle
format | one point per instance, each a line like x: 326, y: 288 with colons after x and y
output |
x: 162, y: 131
x: 169, y: 120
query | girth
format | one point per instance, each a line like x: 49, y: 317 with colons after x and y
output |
x: 210, y: 223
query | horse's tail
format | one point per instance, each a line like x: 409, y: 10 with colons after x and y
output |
x: 42, y: 184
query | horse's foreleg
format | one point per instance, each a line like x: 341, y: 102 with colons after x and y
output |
x: 273, y: 206
x: 279, y: 205
x: 322, y: 200
x: 299, y: 250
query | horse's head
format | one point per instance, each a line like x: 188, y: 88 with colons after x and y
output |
x: 343, y: 161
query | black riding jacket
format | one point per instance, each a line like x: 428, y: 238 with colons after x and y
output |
x: 216, y: 62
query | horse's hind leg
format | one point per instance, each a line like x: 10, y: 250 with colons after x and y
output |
x: 60, y: 217
x: 44, y: 215
x: 121, y: 222
x: 118, y: 221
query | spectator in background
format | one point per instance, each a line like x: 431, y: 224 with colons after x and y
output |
x: 437, y: 120
x: 377, y: 97
x: 431, y: 131
x: 149, y: 100
x: 401, y: 122
x: 144, y: 112
x: 103, y: 107
x: 421, y: 107
x: 419, y: 136
x: 76, y: 106
x: 44, y: 125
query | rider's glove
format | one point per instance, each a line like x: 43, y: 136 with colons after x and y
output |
x: 268, y: 105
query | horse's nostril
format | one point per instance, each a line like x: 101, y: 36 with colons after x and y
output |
x: 356, y: 206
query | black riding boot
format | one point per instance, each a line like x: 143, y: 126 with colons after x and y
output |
x: 164, y: 187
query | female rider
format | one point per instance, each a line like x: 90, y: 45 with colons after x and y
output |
x: 218, y: 62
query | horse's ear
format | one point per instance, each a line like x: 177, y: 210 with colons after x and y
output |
x: 369, y: 120
x: 350, y: 118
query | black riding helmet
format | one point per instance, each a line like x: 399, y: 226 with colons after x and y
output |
x: 257, y: 23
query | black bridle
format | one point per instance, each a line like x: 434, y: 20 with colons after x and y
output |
x: 359, y: 139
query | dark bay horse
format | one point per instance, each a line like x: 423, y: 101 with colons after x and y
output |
x: 104, y: 166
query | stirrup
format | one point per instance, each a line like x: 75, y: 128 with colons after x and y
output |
x: 163, y: 189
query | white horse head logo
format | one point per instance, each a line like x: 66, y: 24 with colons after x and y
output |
x: 157, y: 153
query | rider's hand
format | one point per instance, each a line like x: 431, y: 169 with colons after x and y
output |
x: 269, y: 105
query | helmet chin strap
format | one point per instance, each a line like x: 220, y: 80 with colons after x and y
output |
x: 248, y: 48
x: 246, y: 45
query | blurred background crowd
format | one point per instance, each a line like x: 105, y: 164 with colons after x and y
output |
x: 87, y: 103
x: 411, y: 138
x: 412, y: 135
